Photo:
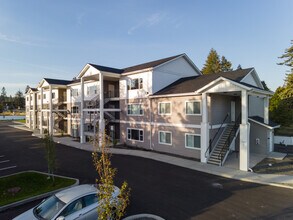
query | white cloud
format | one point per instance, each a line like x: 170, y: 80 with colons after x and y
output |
x: 152, y: 20
x: 17, y: 40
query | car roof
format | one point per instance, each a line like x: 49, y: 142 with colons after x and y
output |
x: 69, y: 194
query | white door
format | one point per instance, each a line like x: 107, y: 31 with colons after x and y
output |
x: 111, y: 89
x: 232, y: 110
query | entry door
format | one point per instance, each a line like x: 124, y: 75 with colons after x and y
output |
x: 111, y: 89
x: 232, y: 111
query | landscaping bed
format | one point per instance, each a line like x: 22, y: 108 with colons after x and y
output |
x: 273, y: 166
x: 24, y: 185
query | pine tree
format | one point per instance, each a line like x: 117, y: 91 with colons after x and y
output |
x: 214, y: 64
x: 225, y: 64
x: 288, y: 57
x: 3, y: 95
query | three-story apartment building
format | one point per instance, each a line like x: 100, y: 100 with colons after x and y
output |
x: 165, y: 105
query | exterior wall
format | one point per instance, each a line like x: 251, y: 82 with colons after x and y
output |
x: 178, y: 114
x: 258, y: 132
x: 170, y: 72
x: 137, y: 93
x: 249, y: 79
x: 256, y: 106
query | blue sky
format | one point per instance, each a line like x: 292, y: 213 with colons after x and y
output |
x: 55, y: 39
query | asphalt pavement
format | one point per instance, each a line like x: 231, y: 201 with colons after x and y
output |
x: 169, y: 191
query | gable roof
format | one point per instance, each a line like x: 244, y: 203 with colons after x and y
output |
x: 58, y: 81
x: 260, y: 120
x: 106, y: 68
x: 194, y: 83
x: 151, y: 64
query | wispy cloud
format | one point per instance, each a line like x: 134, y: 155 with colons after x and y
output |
x: 79, y: 18
x: 152, y: 20
x: 18, y: 40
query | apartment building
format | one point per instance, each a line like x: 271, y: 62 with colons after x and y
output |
x: 165, y: 105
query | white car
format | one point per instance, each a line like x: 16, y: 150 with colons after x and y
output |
x: 79, y: 202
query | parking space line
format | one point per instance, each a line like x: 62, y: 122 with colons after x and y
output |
x: 2, y: 155
x: 4, y: 161
x: 6, y: 168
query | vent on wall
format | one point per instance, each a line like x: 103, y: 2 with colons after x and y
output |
x: 257, y: 141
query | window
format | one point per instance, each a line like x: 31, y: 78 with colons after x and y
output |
x: 192, y: 141
x: 44, y: 96
x: 91, y: 90
x: 90, y: 199
x: 74, y: 109
x: 164, y: 108
x: 27, y: 98
x: 74, y: 92
x: 135, y: 134
x: 134, y: 109
x: 165, y: 137
x: 53, y: 95
x: 73, y: 207
x: 192, y: 108
x: 135, y: 84
x: 39, y: 96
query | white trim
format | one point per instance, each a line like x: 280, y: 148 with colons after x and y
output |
x: 223, y: 79
x: 160, y: 124
x: 164, y: 113
x: 257, y: 80
x: 193, y: 148
x: 174, y: 95
x: 163, y: 142
x: 139, y: 129
x: 194, y: 114
x: 139, y: 109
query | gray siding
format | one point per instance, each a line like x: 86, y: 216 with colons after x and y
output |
x: 261, y: 132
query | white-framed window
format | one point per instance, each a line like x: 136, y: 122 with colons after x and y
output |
x: 135, y: 134
x: 192, y: 108
x: 39, y: 96
x: 74, y: 109
x: 44, y: 96
x: 74, y: 92
x: 53, y: 95
x: 91, y: 90
x: 135, y: 84
x: 192, y: 141
x: 134, y: 109
x: 27, y: 98
x: 164, y: 108
x: 165, y: 137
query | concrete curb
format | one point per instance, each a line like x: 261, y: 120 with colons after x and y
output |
x: 5, y: 207
x: 142, y: 216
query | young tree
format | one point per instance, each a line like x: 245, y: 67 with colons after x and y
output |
x: 50, y: 154
x: 108, y: 209
x: 213, y: 63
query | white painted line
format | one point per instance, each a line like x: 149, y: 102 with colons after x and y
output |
x: 4, y: 161
x: 6, y: 168
x: 2, y: 155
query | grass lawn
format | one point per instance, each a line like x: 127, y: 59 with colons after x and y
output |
x: 286, y: 131
x: 25, y: 185
x: 272, y: 166
x: 21, y: 120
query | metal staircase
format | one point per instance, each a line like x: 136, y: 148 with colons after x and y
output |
x: 221, y: 148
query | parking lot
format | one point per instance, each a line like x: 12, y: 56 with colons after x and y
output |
x: 157, y: 188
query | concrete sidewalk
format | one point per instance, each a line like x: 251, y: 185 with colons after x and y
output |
x: 267, y: 179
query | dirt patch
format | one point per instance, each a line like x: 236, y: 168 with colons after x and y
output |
x: 273, y: 166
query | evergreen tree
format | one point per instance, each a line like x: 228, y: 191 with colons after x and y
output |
x: 225, y: 64
x: 3, y: 95
x: 288, y: 57
x: 19, y: 100
x: 265, y: 86
x: 214, y: 64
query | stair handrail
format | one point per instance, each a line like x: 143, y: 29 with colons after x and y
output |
x: 209, y: 150
x: 228, y: 141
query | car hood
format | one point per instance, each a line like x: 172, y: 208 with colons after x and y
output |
x: 28, y: 215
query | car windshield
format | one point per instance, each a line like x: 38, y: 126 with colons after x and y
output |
x: 49, y: 208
